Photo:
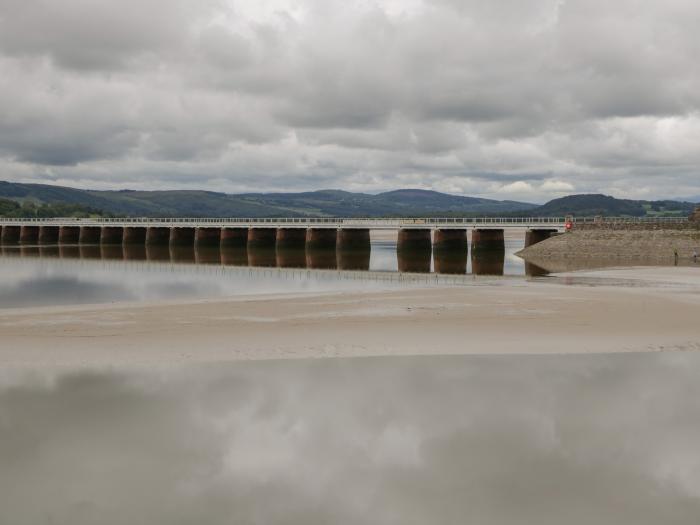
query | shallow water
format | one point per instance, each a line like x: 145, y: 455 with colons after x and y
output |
x: 605, y: 439
x: 53, y: 275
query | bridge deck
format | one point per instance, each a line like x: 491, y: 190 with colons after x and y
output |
x: 375, y: 224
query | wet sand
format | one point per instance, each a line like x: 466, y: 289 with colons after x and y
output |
x: 640, y: 309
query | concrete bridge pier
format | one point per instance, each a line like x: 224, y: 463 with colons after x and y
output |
x: 260, y: 238
x: 321, y: 238
x: 113, y: 252
x: 89, y: 235
x: 10, y: 234
x: 182, y: 237
x: 49, y: 251
x: 134, y: 252
x: 450, y: 262
x: 90, y: 251
x: 68, y: 235
x: 158, y: 236
x: 414, y: 261
x: 262, y: 256
x: 134, y: 235
x: 487, y: 262
x: 210, y: 237
x: 234, y: 237
x: 535, y: 236
x: 182, y: 253
x: 158, y: 252
x: 321, y: 258
x: 291, y: 238
x: 207, y: 254
x: 29, y: 235
x: 48, y: 234
x: 112, y: 235
x: 488, y: 240
x: 29, y: 251
x: 294, y: 257
x: 450, y: 240
x: 356, y: 259
x: 68, y: 251
x: 234, y: 255
x: 414, y: 240
x: 353, y: 239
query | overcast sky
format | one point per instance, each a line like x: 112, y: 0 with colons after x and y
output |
x: 495, y: 98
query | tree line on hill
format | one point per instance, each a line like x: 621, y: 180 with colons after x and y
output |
x: 27, y: 210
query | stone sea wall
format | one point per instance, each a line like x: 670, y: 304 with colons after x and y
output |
x: 602, y: 246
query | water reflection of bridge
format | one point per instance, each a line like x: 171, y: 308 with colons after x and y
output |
x: 409, y: 262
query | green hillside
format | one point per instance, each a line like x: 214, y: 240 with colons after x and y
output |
x: 325, y: 203
x: 28, y: 209
x: 596, y: 204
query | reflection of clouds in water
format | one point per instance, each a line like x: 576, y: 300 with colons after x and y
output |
x: 44, y: 290
x: 547, y: 440
x: 60, y: 282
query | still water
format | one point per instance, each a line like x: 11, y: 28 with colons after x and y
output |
x: 62, y: 275
x: 605, y: 439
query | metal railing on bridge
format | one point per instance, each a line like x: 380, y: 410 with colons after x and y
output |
x: 339, y: 222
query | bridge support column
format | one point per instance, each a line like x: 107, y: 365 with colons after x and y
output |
x: 90, y: 251
x: 450, y: 261
x: 450, y: 240
x: 134, y: 235
x: 353, y: 259
x: 262, y: 237
x: 182, y: 237
x: 29, y: 235
x: 208, y: 237
x: 321, y: 258
x: 535, y: 236
x: 264, y: 256
x: 69, y: 235
x: 48, y: 234
x: 321, y: 238
x: 353, y: 239
x: 112, y: 251
x: 414, y: 261
x: 291, y: 257
x: 488, y: 240
x: 134, y: 252
x: 413, y: 239
x: 487, y: 262
x: 234, y: 256
x: 291, y: 238
x: 112, y: 235
x: 10, y: 234
x: 158, y: 236
x: 90, y: 235
x: 234, y: 237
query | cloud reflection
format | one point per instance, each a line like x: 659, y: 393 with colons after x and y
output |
x: 547, y: 440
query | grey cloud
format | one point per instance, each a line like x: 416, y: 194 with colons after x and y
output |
x: 588, y: 91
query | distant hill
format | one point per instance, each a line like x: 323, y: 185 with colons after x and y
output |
x: 596, y: 204
x: 325, y: 203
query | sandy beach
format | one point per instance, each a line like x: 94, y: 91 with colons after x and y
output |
x: 625, y: 310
